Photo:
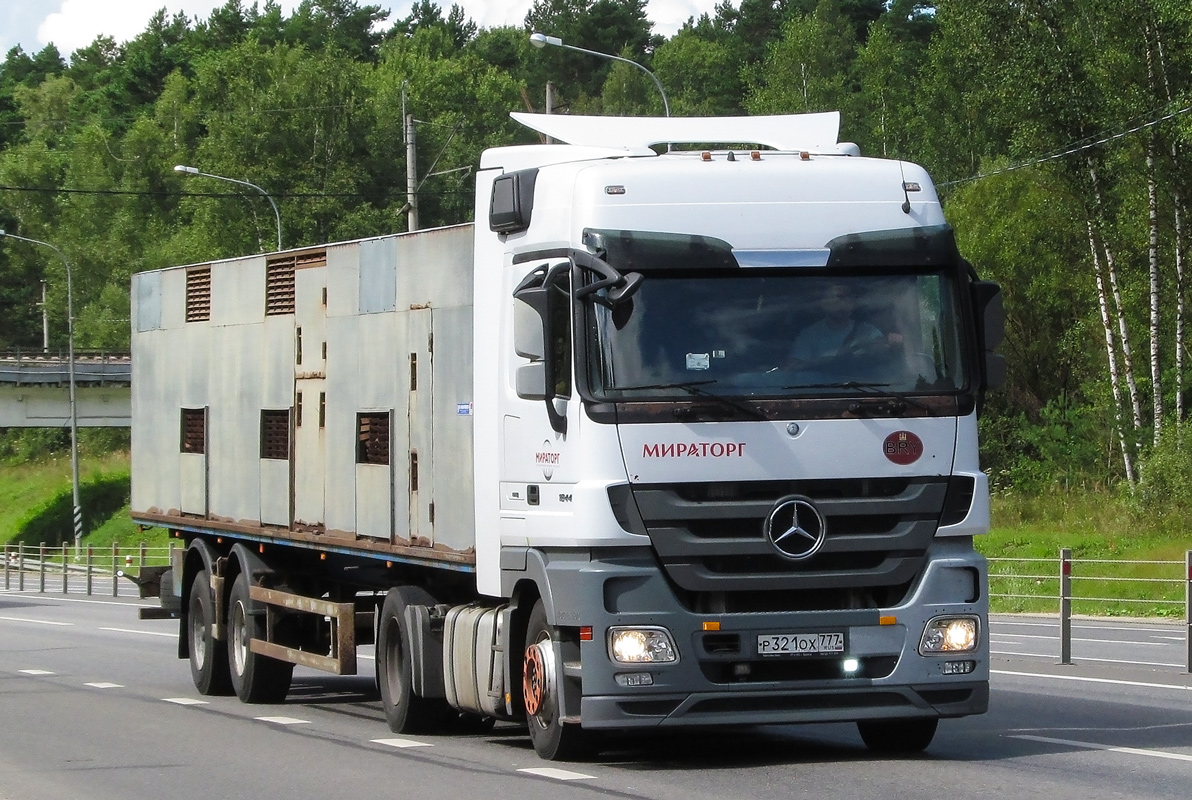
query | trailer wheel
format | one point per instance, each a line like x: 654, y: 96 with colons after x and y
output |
x: 208, y: 657
x: 542, y: 687
x: 405, y: 712
x: 256, y: 678
x: 897, y: 735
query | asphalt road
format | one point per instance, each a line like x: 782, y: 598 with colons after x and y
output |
x: 94, y: 704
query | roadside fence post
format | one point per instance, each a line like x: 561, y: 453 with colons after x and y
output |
x: 65, y: 557
x: 90, y: 553
x: 1188, y: 609
x: 41, y: 569
x: 115, y: 570
x: 6, y: 575
x: 141, y: 557
x: 1065, y: 605
x: 20, y: 566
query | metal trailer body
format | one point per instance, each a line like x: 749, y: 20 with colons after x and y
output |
x: 639, y: 513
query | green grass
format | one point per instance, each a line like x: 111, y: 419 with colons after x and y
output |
x: 1095, y: 527
x: 36, y: 503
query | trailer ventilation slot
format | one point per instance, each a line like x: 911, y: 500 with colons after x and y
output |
x: 279, y: 279
x: 275, y: 434
x: 194, y: 430
x: 198, y: 294
x: 372, y: 438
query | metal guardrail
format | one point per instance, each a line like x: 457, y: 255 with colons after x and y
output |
x: 81, y: 571
x: 1058, y: 586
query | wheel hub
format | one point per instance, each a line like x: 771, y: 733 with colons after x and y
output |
x: 538, y: 679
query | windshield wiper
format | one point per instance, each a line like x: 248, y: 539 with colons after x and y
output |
x: 889, y: 402
x: 694, y: 388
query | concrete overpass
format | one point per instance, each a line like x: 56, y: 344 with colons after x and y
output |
x: 34, y: 389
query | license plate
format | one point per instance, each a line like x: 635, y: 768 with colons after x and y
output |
x: 800, y: 644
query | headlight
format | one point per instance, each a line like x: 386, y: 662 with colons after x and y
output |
x: 950, y: 635
x: 641, y: 646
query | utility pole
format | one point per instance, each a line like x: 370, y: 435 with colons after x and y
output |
x: 411, y: 174
x: 45, y: 321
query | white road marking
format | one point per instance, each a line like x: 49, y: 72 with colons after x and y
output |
x: 1134, y: 751
x: 556, y: 774
x: 283, y: 720
x: 1139, y: 684
x: 37, y: 621
x: 36, y: 672
x: 1088, y: 658
x: 402, y: 743
x: 1098, y: 641
x: 184, y: 701
x: 143, y: 633
x: 61, y: 599
x: 102, y: 685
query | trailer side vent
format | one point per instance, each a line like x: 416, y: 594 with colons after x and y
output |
x: 275, y: 434
x: 194, y: 430
x: 279, y: 286
x: 372, y: 438
x: 198, y: 294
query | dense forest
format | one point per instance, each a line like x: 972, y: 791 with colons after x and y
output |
x: 1056, y: 130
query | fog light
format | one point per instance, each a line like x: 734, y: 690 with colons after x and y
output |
x: 950, y: 635
x: 959, y: 667
x: 634, y: 679
x: 851, y: 665
x: 641, y: 646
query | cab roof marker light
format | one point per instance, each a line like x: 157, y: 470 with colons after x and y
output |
x: 705, y: 156
x: 755, y: 155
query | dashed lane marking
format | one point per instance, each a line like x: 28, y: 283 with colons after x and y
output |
x: 283, y: 720
x: 184, y: 701
x: 173, y: 635
x: 103, y: 685
x: 37, y: 621
x: 556, y: 774
x: 1134, y: 751
x: 1087, y: 658
x: 36, y: 672
x: 401, y: 743
x: 1139, y: 684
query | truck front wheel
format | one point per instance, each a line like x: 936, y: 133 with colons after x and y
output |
x: 208, y: 657
x: 542, y: 689
x: 897, y: 735
x: 256, y: 678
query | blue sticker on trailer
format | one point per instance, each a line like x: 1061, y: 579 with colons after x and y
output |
x: 463, y: 409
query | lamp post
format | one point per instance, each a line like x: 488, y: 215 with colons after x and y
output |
x: 541, y: 40
x: 74, y: 415
x: 195, y: 171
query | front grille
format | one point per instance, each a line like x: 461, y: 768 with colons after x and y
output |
x: 710, y: 540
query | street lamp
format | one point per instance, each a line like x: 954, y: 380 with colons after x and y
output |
x: 541, y: 40
x: 74, y: 415
x: 195, y: 171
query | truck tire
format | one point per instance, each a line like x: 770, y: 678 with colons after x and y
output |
x: 897, y: 735
x: 542, y: 688
x: 405, y: 712
x: 208, y: 657
x: 256, y: 678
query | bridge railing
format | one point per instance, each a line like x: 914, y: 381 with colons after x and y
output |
x: 36, y: 367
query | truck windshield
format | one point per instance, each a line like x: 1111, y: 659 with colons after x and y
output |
x: 779, y: 334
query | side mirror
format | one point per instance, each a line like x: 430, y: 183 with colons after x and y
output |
x: 529, y: 337
x: 991, y: 317
x: 531, y: 381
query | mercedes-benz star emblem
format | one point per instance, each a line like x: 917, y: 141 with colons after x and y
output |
x: 795, y: 528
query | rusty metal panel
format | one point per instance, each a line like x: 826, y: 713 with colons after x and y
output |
x: 378, y: 275
x: 146, y: 298
x: 238, y: 291
x: 451, y: 430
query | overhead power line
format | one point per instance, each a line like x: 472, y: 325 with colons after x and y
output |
x: 1072, y: 149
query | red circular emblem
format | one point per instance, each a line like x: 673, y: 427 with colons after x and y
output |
x: 903, y: 447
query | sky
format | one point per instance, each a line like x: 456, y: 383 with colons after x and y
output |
x: 71, y: 24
